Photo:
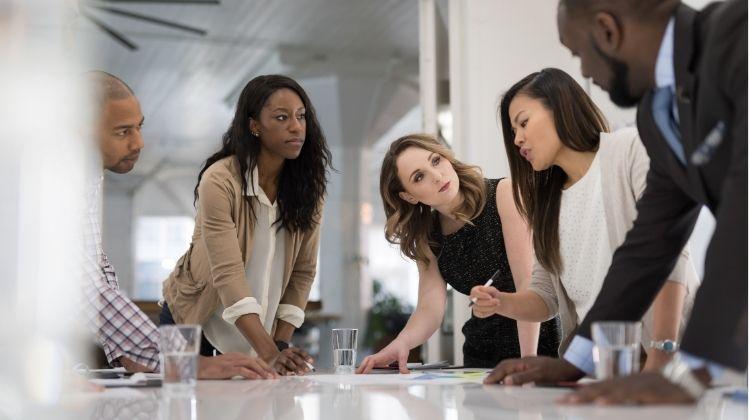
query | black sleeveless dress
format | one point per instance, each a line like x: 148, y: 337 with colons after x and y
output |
x: 467, y: 258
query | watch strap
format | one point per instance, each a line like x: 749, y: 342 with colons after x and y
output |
x: 282, y: 345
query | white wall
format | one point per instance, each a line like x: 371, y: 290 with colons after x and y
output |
x: 495, y: 44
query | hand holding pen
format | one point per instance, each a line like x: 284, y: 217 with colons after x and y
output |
x: 485, y: 299
x: 487, y: 284
x: 293, y: 361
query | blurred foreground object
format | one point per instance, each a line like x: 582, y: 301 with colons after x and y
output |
x: 42, y: 168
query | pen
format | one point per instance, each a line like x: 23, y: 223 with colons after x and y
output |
x: 488, y: 283
x: 309, y: 365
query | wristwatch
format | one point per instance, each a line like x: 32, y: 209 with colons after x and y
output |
x: 667, y: 346
x: 679, y: 373
x: 281, y: 345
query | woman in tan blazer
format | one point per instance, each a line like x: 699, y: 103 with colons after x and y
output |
x: 248, y: 271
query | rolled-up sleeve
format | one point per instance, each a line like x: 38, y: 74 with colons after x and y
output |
x: 244, y: 306
x: 291, y: 314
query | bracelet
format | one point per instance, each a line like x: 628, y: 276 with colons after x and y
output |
x: 667, y: 346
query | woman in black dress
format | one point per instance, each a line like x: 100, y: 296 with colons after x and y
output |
x: 460, y: 228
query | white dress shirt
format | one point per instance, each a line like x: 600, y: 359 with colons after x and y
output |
x: 264, y: 273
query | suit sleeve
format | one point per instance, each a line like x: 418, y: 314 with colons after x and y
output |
x: 717, y: 331
x: 683, y: 271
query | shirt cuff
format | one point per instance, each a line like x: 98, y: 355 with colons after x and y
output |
x: 696, y: 363
x: 243, y: 306
x: 291, y: 314
x: 579, y: 354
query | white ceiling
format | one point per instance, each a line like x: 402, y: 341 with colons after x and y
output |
x: 187, y: 84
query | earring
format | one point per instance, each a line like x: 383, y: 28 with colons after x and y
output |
x: 255, y: 133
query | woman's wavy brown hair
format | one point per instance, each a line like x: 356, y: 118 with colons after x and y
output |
x: 578, y: 123
x: 409, y: 225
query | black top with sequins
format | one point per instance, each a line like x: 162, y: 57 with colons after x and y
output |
x: 467, y: 258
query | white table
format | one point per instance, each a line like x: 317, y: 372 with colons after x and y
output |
x: 381, y: 397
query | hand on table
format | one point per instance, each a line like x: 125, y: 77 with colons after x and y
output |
x: 487, y: 301
x: 397, y: 350
x: 132, y: 366
x: 537, y: 369
x: 229, y: 365
x: 641, y: 388
x: 291, y: 361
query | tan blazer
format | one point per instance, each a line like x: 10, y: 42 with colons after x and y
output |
x: 624, y: 165
x: 212, y: 271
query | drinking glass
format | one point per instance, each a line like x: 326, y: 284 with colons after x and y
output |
x: 344, y: 349
x: 179, y: 346
x: 616, y: 348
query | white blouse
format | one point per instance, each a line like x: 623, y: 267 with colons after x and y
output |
x: 264, y: 273
x: 584, y: 239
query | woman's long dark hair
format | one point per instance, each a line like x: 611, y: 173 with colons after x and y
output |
x: 302, y: 183
x: 578, y: 123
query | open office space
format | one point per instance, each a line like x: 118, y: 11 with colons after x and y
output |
x: 328, y: 209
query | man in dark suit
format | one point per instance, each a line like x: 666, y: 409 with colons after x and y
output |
x: 687, y: 72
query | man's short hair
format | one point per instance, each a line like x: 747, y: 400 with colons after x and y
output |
x: 107, y: 87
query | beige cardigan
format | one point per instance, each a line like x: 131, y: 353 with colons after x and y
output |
x: 212, y: 271
x: 624, y: 165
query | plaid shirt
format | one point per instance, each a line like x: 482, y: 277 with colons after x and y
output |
x: 120, y: 326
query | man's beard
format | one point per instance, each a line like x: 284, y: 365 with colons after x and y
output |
x: 618, y: 86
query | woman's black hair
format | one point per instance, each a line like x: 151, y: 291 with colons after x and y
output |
x: 302, y: 183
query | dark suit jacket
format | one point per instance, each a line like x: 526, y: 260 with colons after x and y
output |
x: 710, y: 61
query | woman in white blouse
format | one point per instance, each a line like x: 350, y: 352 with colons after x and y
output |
x: 577, y: 186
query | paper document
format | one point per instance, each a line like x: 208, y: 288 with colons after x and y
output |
x: 137, y: 379
x: 432, y: 377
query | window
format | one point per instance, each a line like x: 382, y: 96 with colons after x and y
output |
x: 159, y: 242
x: 315, y: 289
x: 397, y: 274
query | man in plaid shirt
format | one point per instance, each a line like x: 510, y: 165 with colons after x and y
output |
x: 127, y: 335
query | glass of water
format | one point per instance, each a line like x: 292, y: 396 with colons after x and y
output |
x: 179, y: 346
x: 344, y: 342
x: 617, y: 348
